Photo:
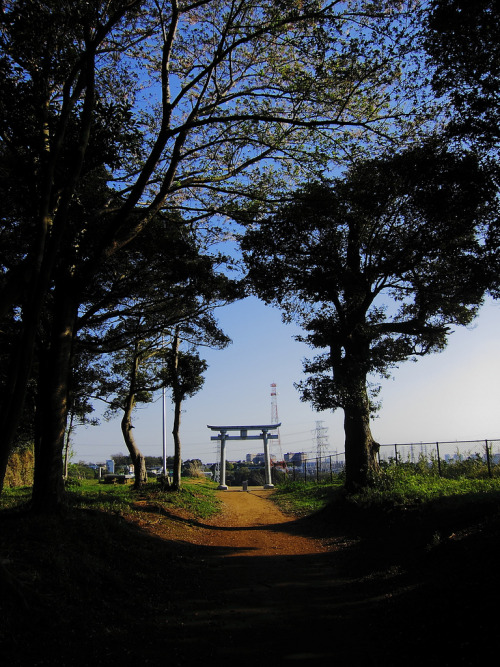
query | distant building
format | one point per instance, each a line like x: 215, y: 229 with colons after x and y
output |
x: 299, y: 457
x: 296, y: 458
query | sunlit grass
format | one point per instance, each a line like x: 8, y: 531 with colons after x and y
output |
x: 302, y: 498
x: 196, y: 497
x: 15, y: 497
x: 398, y: 488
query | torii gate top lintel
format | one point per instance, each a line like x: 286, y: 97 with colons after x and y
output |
x: 265, y: 427
x: 264, y: 432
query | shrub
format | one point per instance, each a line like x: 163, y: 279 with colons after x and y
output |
x: 192, y: 469
x: 20, y: 468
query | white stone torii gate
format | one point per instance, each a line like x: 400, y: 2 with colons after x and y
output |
x: 264, y: 435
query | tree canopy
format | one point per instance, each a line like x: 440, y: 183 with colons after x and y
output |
x: 376, y: 266
x: 112, y: 113
x: 463, y: 42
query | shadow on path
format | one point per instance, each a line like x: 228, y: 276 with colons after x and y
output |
x: 373, y: 598
x: 103, y: 591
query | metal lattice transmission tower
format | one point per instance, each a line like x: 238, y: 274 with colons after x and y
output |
x: 321, y: 438
x: 274, y: 417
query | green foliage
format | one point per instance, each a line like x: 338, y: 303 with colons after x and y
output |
x: 463, y: 41
x: 376, y: 266
x: 468, y: 466
x: 79, y: 471
x: 192, y: 468
x: 400, y: 487
x: 184, y: 373
x: 464, y: 465
x: 197, y: 497
x: 409, y: 486
x: 114, y: 116
x: 301, y: 497
x: 121, y: 459
x: 15, y: 497
x: 20, y: 468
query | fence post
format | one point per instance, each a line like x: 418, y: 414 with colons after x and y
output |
x: 305, y: 470
x: 396, y: 453
x: 331, y: 469
x: 439, y: 459
x: 488, y: 460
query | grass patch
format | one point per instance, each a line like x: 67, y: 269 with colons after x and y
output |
x: 399, y: 491
x: 400, y: 487
x: 74, y: 583
x: 303, y: 498
x: 15, y: 498
x: 198, y: 498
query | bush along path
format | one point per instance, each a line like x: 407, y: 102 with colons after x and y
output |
x: 251, y: 585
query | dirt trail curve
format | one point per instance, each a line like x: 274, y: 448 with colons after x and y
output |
x: 250, y: 586
x: 262, y: 579
x: 250, y: 525
x: 270, y: 589
x: 257, y: 587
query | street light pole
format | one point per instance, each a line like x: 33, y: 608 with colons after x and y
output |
x: 164, y: 434
x: 164, y: 424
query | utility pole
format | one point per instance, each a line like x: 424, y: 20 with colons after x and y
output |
x: 164, y: 420
x: 274, y: 417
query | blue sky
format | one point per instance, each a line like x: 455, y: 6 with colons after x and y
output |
x: 454, y: 395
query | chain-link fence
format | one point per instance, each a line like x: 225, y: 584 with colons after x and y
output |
x: 464, y: 458
x: 323, y: 468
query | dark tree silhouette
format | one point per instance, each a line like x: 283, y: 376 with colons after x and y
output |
x: 376, y: 266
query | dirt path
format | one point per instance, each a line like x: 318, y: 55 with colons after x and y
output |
x: 253, y: 586
x: 265, y: 588
x: 249, y: 525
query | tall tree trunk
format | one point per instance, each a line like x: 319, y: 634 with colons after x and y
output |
x: 53, y: 390
x: 135, y: 453
x: 126, y: 425
x: 52, y: 218
x: 69, y: 432
x: 176, y: 392
x: 177, y: 445
x: 361, y: 450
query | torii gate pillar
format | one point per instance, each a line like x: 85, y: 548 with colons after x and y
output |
x: 264, y: 435
x: 222, y: 485
x: 267, y: 461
